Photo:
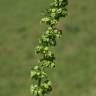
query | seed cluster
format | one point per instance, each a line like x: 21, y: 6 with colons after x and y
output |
x: 41, y: 85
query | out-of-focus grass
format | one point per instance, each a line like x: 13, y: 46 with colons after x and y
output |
x: 75, y: 51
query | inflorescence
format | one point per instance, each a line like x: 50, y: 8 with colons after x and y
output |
x: 41, y: 84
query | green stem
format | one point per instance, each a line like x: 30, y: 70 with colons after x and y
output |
x: 39, y: 82
x: 58, y: 3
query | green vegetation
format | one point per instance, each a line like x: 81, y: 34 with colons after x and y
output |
x: 41, y: 85
x: 75, y: 72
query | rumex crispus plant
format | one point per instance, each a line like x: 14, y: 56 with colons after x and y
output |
x: 41, y: 85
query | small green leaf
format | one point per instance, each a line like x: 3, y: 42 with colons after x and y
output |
x: 33, y: 73
x: 36, y: 67
x: 52, y: 65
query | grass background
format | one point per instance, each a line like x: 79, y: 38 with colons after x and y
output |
x: 75, y: 72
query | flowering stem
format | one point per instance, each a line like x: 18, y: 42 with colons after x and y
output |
x: 43, y: 86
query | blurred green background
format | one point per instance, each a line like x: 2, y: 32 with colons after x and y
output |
x: 75, y: 72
